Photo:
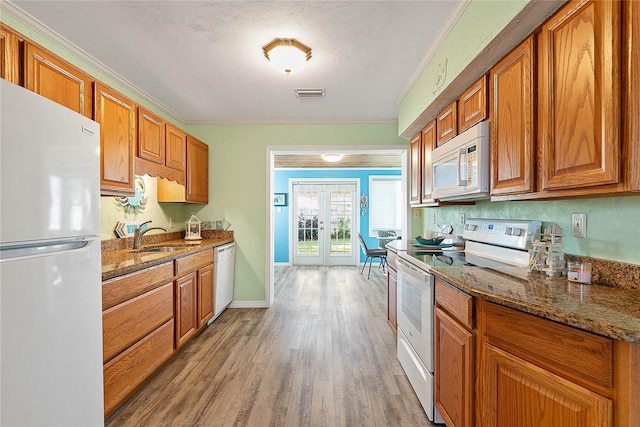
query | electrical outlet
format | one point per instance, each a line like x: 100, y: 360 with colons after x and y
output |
x: 433, y: 217
x: 579, y: 225
x: 462, y: 218
x: 416, y: 214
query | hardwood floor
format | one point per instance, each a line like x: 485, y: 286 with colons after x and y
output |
x: 322, y: 355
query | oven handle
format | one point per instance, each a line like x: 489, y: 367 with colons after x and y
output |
x: 412, y: 270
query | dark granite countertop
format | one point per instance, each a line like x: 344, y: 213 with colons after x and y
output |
x: 602, y: 309
x: 118, y: 257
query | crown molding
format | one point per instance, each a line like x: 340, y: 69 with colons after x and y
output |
x: 8, y: 8
x: 446, y: 28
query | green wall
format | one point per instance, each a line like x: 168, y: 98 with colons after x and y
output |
x: 480, y: 22
x: 238, y: 189
x: 613, y: 223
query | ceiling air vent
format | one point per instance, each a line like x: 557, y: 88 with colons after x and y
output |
x: 309, y: 93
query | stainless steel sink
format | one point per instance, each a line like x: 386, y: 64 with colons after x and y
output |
x: 160, y: 249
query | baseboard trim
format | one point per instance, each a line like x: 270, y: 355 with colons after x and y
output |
x: 248, y: 304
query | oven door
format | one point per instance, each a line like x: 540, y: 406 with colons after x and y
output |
x: 415, y: 309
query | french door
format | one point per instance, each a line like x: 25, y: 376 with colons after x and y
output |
x: 324, y: 222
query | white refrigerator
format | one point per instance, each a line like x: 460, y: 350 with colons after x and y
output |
x: 50, y: 280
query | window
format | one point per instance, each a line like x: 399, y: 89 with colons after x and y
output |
x: 386, y: 204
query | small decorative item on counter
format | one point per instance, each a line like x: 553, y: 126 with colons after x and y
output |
x: 579, y: 272
x: 546, y: 252
x: 192, y: 229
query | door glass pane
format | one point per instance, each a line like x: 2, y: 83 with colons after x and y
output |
x: 308, y: 206
x: 341, y: 208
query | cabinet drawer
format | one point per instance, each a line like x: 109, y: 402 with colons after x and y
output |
x: 126, y: 323
x: 193, y: 262
x: 577, y: 355
x: 455, y: 302
x: 125, y: 373
x: 120, y: 289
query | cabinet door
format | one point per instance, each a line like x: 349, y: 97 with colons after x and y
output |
x: 53, y: 78
x: 415, y: 169
x: 428, y: 143
x: 10, y: 56
x: 205, y: 295
x: 447, y: 124
x: 513, y: 122
x: 472, y: 106
x: 579, y: 95
x: 186, y: 315
x: 392, y: 299
x: 117, y: 118
x: 517, y: 393
x: 197, y: 171
x: 176, y: 155
x: 150, y: 136
x: 454, y: 371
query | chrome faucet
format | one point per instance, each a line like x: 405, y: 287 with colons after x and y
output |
x: 138, y: 233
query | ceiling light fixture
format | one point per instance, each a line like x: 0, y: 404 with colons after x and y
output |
x: 332, y: 158
x: 288, y: 55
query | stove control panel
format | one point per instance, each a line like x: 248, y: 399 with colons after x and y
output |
x: 516, y: 234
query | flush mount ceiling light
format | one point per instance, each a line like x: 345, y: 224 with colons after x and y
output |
x: 287, y: 55
x: 332, y: 158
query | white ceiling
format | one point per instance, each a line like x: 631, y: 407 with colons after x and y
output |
x: 202, y: 61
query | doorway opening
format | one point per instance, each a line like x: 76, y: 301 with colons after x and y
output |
x: 356, y: 162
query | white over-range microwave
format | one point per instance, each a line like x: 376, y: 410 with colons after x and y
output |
x: 461, y: 166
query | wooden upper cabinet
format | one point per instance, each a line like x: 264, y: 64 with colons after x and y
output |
x: 428, y: 143
x: 197, y: 171
x: 117, y: 117
x: 472, y: 105
x: 10, y: 64
x: 579, y: 96
x: 631, y: 110
x: 176, y: 148
x: 150, y: 136
x: 56, y: 79
x: 513, y: 122
x: 447, y: 124
x: 415, y: 169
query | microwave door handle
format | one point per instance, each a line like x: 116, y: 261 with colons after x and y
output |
x: 462, y: 167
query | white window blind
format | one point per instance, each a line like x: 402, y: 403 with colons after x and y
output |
x: 385, y: 204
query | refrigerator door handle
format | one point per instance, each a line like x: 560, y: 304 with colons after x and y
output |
x: 41, y: 249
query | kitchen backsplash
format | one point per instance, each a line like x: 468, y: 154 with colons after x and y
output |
x: 613, y: 223
x: 169, y: 215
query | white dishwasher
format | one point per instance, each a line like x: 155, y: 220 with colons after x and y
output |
x: 223, y: 260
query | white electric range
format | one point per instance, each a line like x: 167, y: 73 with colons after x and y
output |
x: 489, y: 242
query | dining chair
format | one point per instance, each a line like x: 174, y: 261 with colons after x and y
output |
x: 371, y: 254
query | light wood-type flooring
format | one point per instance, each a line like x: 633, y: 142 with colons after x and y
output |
x: 322, y: 355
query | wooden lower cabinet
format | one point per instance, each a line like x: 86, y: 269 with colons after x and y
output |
x: 149, y: 314
x: 205, y: 295
x: 536, y: 372
x: 518, y: 393
x: 454, y: 370
x: 124, y: 374
x: 454, y: 357
x: 186, y: 308
x: 193, y: 295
